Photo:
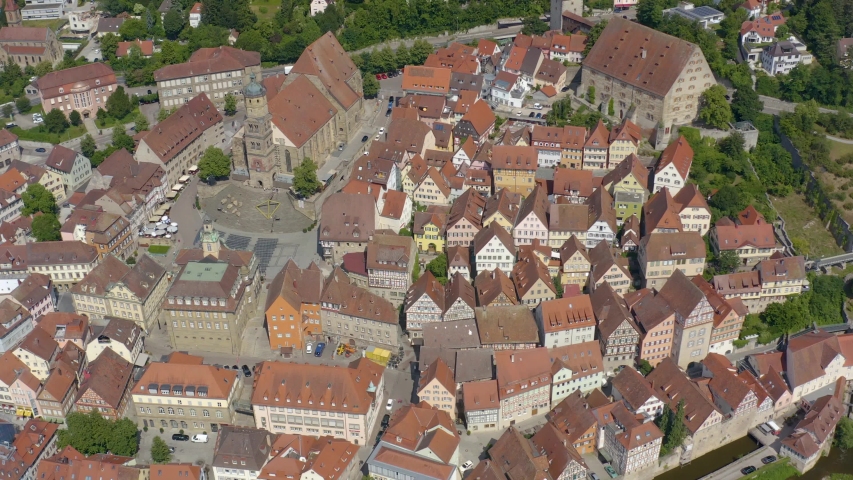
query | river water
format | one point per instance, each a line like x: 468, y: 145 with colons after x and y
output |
x: 836, y: 462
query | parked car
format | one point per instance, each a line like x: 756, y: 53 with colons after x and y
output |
x: 532, y: 114
x: 593, y: 476
x: 384, y: 76
x: 180, y: 437
x: 389, y: 404
x: 309, y: 347
x: 364, y: 138
x: 467, y: 465
x: 246, y: 370
x: 11, y: 125
x: 235, y: 367
x: 379, y: 76
x: 319, y: 351
x: 388, y: 113
x: 610, y: 470
x: 381, y: 130
x: 385, y: 421
x: 538, y: 115
x: 38, y: 120
x: 200, y: 438
x: 768, y: 459
x: 747, y: 470
x: 40, y: 150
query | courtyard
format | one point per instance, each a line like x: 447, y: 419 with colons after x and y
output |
x: 254, y: 210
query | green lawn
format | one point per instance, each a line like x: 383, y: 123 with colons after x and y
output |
x: 779, y: 470
x: 838, y: 149
x: 803, y: 223
x: 110, y: 121
x: 54, y: 24
x: 271, y: 7
x: 159, y: 249
x: 39, y: 134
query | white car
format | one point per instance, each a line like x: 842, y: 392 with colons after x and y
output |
x: 467, y: 465
x: 199, y: 438
x: 308, y: 348
x: 38, y: 120
x: 381, y: 130
x: 389, y: 405
x: 97, y: 50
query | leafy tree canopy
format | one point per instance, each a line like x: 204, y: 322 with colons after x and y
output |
x: 36, y: 198
x: 305, y: 181
x: 90, y: 433
x: 46, y: 228
x: 214, y: 163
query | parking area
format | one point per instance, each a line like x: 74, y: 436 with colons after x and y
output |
x: 185, y: 452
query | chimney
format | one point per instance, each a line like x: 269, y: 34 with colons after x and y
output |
x: 512, y: 358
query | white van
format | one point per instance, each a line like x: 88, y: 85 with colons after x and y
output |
x: 537, y: 106
x: 199, y: 438
x: 308, y: 348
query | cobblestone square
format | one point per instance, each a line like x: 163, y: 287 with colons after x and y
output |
x: 236, y: 207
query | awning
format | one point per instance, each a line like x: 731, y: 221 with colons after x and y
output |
x: 141, y: 360
x: 193, y: 169
x: 154, y: 218
x: 184, y: 179
x: 177, y: 188
x: 171, y: 195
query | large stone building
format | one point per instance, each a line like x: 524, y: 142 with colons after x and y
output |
x: 344, y: 402
x: 212, y: 296
x: 178, y: 142
x: 65, y: 262
x: 661, y: 77
x: 215, y: 71
x: 83, y: 89
x: 183, y: 394
x: 114, y: 289
x: 316, y: 108
x: 27, y: 46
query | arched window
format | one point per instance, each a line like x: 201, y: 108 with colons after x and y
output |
x: 161, y: 410
x: 192, y: 412
x: 171, y: 411
x: 205, y: 413
x: 180, y: 411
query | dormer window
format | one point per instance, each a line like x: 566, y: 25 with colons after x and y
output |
x: 61, y: 90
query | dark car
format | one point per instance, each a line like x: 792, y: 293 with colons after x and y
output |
x: 747, y: 470
x: 318, y: 351
x: 364, y: 138
x: 385, y: 421
x: 768, y: 459
x: 532, y: 114
x: 246, y: 370
x: 11, y: 125
x: 388, y: 113
x: 378, y: 437
x: 180, y: 437
x: 226, y: 367
x: 235, y: 367
x: 41, y: 150
x: 391, y: 99
x: 538, y: 115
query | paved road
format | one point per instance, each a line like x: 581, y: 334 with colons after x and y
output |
x: 732, y: 470
x: 775, y: 106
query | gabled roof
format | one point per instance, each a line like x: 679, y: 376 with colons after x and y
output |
x: 631, y: 165
x: 489, y: 285
x: 567, y: 181
x: 439, y: 371
x: 633, y: 387
x: 525, y: 274
x: 669, y: 246
x: 480, y: 116
x: 504, y: 203
x: 681, y: 294
x: 300, y: 110
x: 598, y: 137
x: 428, y: 286
x: 610, y: 311
x: 536, y: 204
x: 172, y: 136
x: 678, y: 153
x: 808, y: 356
x: 570, y: 247
x: 566, y: 313
x: 601, y: 260
x: 672, y: 385
x: 326, y: 60
x: 494, y: 230
x: 572, y: 416
x: 512, y: 157
x: 469, y: 205
x: 506, y: 325
x: 732, y: 237
x: 662, y: 212
x: 207, y: 61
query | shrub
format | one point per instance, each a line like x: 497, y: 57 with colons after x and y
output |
x: 740, y: 343
x: 848, y: 206
x: 161, y: 429
x: 263, y: 10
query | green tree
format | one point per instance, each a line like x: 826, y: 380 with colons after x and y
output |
x: 36, y: 198
x: 55, y: 121
x: 610, y: 110
x: 214, y: 163
x: 783, y: 32
x: 90, y: 433
x: 8, y: 110
x: 42, y: 69
x: 252, y: 40
x: 370, y: 86
x: 118, y: 104
x: 140, y: 122
x: 164, y: 113
x: 726, y: 262
x: 75, y: 118
x: 172, y: 53
x: 160, y: 451
x: 174, y: 21
x: 101, y: 115
x: 787, y: 317
x: 438, y: 268
x: 590, y: 94
x: 644, y: 367
x: 109, y: 46
x: 558, y: 285
x: 22, y: 104
x: 594, y: 33
x: 88, y: 146
x: 650, y: 12
x: 746, y: 105
x: 230, y: 105
x: 46, y: 228
x: 715, y: 109
x: 305, y: 181
x: 729, y: 200
x: 844, y: 433
x: 416, y: 269
x: 419, y: 52
x: 133, y: 29
x: 677, y: 429
x: 533, y: 26
x: 122, y: 140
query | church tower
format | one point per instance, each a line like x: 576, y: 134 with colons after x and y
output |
x: 257, y: 134
x: 13, y: 13
x: 557, y: 15
x: 210, y: 240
